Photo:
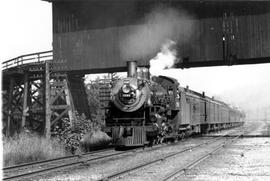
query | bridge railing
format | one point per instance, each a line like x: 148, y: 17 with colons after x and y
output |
x: 27, y: 59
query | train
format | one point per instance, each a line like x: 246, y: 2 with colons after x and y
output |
x: 144, y: 111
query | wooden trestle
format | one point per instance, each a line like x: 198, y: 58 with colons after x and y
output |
x: 36, y: 98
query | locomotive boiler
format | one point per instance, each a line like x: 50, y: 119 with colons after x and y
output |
x: 143, y: 110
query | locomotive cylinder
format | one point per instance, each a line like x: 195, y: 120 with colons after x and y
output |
x: 132, y: 69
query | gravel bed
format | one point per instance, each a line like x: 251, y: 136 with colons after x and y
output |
x: 100, y: 169
x: 258, y: 128
x: 234, y: 131
x: 247, y: 159
x: 161, y: 169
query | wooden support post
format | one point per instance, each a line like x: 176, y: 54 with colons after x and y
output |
x: 25, y: 100
x: 10, y: 97
x: 47, y: 101
x: 69, y: 103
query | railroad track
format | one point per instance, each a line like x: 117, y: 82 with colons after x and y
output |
x: 40, y: 167
x: 28, y: 170
x: 176, y: 173
x: 162, y: 158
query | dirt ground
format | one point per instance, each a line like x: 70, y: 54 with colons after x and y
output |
x: 246, y: 159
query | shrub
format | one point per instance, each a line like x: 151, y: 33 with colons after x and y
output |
x: 71, y: 137
x: 24, y: 148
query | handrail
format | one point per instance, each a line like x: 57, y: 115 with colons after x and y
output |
x: 28, y: 58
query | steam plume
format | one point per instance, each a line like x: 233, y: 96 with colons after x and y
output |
x: 163, y: 23
x: 166, y: 58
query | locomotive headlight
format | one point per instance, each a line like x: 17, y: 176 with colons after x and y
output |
x: 126, y: 88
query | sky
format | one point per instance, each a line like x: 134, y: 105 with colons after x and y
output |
x: 26, y: 27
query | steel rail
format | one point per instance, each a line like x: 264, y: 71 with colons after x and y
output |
x: 54, y: 159
x: 59, y: 167
x: 182, y: 170
x: 75, y: 163
x: 51, y: 161
x: 23, y: 175
x: 80, y: 161
x: 244, y: 136
x: 118, y: 174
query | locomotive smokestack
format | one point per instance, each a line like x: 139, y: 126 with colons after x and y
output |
x: 132, y: 69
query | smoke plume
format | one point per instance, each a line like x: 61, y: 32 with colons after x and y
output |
x: 145, y: 40
x: 166, y: 58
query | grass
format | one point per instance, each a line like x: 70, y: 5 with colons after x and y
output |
x: 25, y: 148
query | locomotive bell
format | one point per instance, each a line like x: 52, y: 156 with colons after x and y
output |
x: 146, y: 73
x: 132, y: 69
x: 139, y: 73
x: 143, y: 73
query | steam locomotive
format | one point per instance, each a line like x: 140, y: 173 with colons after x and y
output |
x: 142, y: 111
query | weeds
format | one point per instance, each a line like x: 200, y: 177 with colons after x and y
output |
x: 85, y: 130
x: 24, y: 148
